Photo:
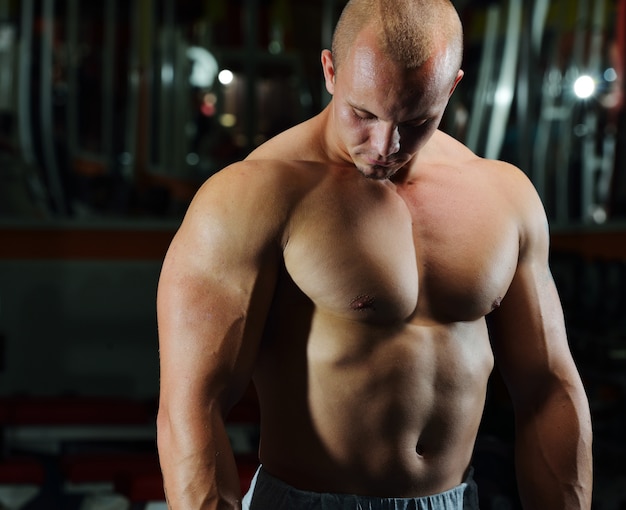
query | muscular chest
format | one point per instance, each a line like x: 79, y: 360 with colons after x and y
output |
x: 380, y: 254
x: 467, y: 245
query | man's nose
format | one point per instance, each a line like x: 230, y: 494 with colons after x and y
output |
x: 386, y: 139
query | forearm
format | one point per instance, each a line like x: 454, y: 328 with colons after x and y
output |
x: 553, y: 453
x: 199, y: 470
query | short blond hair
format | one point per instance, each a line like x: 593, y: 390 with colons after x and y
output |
x: 410, y: 31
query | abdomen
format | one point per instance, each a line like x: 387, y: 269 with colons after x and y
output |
x: 373, y: 410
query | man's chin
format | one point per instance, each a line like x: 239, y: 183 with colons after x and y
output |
x: 377, y: 173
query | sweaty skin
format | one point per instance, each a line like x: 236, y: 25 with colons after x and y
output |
x: 349, y: 266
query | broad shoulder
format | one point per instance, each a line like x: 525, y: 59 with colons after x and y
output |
x: 487, y: 181
x: 252, y: 199
x: 301, y: 142
x: 486, y: 177
x: 254, y: 183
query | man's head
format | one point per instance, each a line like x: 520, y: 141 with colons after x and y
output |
x: 393, y: 67
x: 409, y: 31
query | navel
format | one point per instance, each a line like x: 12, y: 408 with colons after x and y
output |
x: 362, y: 302
x: 419, y: 449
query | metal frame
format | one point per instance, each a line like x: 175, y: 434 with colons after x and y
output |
x: 158, y: 113
x: 55, y: 185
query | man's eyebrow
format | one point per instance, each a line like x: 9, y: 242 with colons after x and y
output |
x: 357, y: 107
x: 414, y: 120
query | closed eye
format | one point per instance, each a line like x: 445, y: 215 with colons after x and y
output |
x: 363, y: 114
x: 416, y: 123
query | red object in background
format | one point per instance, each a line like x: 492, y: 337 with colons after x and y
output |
x: 141, y: 487
x: 620, y: 40
x: 101, y: 467
x: 247, y: 466
x: 21, y: 470
x: 621, y: 31
x: 78, y: 410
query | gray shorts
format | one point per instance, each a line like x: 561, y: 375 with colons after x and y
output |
x: 269, y: 493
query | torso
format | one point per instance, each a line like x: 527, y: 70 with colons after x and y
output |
x: 375, y: 356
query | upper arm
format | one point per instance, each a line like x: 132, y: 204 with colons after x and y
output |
x: 528, y: 331
x: 214, y: 291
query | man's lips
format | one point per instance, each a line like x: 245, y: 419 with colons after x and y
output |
x: 383, y: 164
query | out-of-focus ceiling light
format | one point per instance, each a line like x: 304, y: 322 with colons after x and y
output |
x: 584, y: 87
x: 226, y: 77
x: 228, y: 120
x: 610, y: 74
x: 204, y: 67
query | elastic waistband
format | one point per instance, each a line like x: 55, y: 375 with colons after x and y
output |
x: 270, y: 493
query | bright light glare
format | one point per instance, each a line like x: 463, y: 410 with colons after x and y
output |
x: 225, y: 77
x: 503, y: 96
x: 584, y: 87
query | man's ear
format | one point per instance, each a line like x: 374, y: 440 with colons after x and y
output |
x: 329, y: 71
x: 459, y: 75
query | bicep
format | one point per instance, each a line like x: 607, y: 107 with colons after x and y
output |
x: 214, y: 292
x: 202, y: 348
x: 528, y: 330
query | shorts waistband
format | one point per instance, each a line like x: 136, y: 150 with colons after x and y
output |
x: 270, y: 493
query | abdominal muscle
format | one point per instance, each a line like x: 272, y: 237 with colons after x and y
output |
x: 374, y: 410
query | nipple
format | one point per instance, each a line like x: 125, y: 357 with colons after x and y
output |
x: 496, y: 303
x: 362, y: 302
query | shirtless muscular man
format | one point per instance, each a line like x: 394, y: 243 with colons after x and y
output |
x: 365, y: 270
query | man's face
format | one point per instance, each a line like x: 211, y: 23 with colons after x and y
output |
x: 382, y: 114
